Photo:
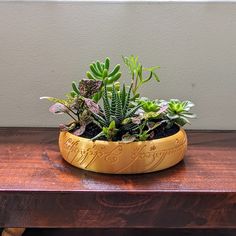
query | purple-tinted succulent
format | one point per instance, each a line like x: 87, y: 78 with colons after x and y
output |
x: 58, y: 108
x: 92, y: 106
x: 80, y: 130
x: 136, y: 120
x: 88, y: 87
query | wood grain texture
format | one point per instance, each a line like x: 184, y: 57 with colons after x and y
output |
x: 126, y: 232
x: 129, y: 232
x: 39, y: 189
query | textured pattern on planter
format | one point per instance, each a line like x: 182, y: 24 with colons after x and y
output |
x: 123, y: 158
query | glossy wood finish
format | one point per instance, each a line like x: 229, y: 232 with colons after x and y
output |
x: 39, y: 189
x: 129, y: 232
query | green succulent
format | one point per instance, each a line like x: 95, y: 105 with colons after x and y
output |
x: 115, y: 110
x: 145, y: 129
x: 143, y: 135
x: 178, y: 112
x: 151, y: 109
x: 148, y: 105
x: 109, y: 132
x: 137, y: 70
x: 101, y: 71
x: 123, y: 114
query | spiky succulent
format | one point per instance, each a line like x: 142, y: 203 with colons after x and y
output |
x: 116, y: 109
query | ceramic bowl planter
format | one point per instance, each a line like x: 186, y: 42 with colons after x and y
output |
x: 123, y: 158
x: 116, y: 130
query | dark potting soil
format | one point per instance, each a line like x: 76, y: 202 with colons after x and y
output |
x: 160, y: 132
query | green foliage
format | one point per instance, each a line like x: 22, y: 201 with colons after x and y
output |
x: 145, y: 130
x: 148, y: 105
x: 137, y: 73
x: 151, y: 109
x: 178, y: 112
x: 77, y: 105
x: 123, y: 114
x: 116, y: 109
x: 101, y: 71
x: 109, y: 132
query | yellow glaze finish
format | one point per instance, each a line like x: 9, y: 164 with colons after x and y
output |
x: 123, y: 158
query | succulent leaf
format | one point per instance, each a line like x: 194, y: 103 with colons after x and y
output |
x: 95, y: 72
x: 106, y: 104
x: 89, y: 87
x: 113, y: 101
x: 92, y: 106
x: 107, y: 63
x: 90, y: 76
x: 128, y: 138
x: 75, y: 89
x: 58, y: 108
x: 115, y: 70
x: 118, y: 112
x: 98, y: 65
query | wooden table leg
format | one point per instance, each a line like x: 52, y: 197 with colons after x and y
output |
x: 13, y: 231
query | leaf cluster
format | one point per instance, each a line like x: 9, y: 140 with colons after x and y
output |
x: 122, y: 114
x: 137, y: 70
x: 78, y: 105
x: 116, y: 111
x: 179, y: 112
x: 101, y: 71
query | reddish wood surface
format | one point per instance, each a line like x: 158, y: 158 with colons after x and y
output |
x: 39, y: 189
x: 129, y: 232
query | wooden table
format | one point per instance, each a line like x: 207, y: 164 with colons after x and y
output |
x: 39, y: 189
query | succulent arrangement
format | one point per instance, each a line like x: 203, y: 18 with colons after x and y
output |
x: 104, y: 109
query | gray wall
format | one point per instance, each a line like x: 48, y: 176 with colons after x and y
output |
x: 45, y: 46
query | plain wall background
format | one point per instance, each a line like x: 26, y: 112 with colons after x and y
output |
x: 45, y: 46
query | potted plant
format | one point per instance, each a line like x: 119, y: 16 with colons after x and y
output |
x: 114, y: 129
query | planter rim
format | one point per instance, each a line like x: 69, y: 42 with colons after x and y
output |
x: 120, y: 142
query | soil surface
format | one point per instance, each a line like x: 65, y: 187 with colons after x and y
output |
x: 160, y: 132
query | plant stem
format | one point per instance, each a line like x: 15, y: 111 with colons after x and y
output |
x: 71, y: 111
x: 138, y: 86
x: 132, y: 84
x: 71, y: 116
x: 148, y: 78
x: 68, y: 108
x: 135, y: 85
x: 97, y: 136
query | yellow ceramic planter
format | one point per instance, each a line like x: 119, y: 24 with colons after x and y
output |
x: 123, y: 158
